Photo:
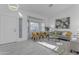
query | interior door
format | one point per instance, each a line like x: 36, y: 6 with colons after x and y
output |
x: 8, y: 28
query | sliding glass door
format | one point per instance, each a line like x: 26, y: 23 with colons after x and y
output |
x: 34, y: 27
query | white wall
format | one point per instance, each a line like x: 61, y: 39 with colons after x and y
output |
x: 73, y: 13
x: 9, y: 27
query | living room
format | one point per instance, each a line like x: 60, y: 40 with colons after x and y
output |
x: 58, y: 31
x: 46, y: 26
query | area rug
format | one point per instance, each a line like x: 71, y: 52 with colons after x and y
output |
x: 58, y: 49
x: 48, y: 45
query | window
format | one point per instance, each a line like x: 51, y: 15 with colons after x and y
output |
x: 34, y: 27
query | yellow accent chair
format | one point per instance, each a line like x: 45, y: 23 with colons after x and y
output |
x: 34, y: 36
x: 45, y: 34
x: 68, y: 35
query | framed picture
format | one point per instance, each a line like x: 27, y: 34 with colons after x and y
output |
x: 63, y: 23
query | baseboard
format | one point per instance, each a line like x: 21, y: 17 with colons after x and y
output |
x: 11, y: 42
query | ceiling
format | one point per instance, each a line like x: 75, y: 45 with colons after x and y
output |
x: 39, y: 9
x: 44, y: 9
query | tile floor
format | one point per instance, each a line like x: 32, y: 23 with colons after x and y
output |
x: 29, y: 47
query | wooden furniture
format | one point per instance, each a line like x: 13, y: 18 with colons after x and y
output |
x: 34, y: 36
x: 39, y: 35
